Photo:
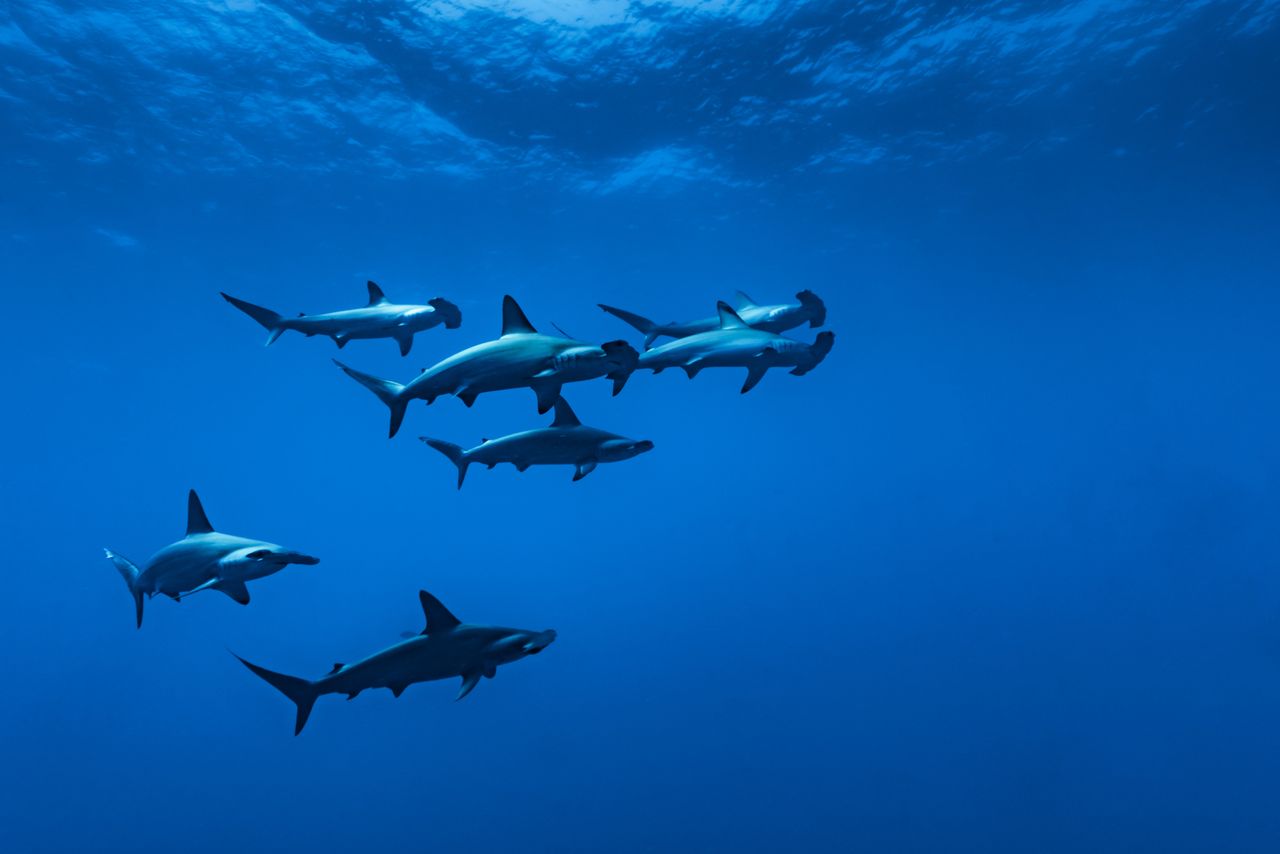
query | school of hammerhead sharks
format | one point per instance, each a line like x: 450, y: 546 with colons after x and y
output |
x: 748, y: 337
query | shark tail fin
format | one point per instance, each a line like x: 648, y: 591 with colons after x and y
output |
x: 818, y: 351
x: 455, y: 453
x: 390, y: 393
x: 301, y: 691
x: 640, y: 324
x: 451, y: 313
x: 130, y: 574
x: 270, y: 321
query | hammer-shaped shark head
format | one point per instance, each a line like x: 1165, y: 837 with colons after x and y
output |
x: 260, y: 560
x: 622, y: 360
x: 616, y: 450
x: 813, y: 304
x: 518, y: 644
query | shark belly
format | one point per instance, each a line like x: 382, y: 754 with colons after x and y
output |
x: 178, y: 571
x: 496, y: 366
x: 415, y: 660
x: 546, y: 446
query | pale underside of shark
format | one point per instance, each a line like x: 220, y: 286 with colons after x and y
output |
x: 204, y: 560
x: 734, y: 344
x: 381, y: 318
x: 566, y: 442
x: 521, y: 358
x: 808, y: 308
x: 446, y: 648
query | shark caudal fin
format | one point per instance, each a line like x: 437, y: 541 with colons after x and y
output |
x: 818, y: 351
x: 640, y: 324
x: 816, y: 307
x: 451, y: 313
x: 301, y: 691
x: 270, y: 321
x: 130, y: 574
x: 455, y: 453
x: 390, y: 393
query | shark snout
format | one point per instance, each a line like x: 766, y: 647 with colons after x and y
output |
x: 643, y: 445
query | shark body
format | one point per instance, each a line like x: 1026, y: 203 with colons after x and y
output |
x: 734, y: 344
x: 566, y: 442
x: 204, y: 559
x: 521, y: 358
x: 445, y: 649
x: 381, y: 318
x: 808, y: 308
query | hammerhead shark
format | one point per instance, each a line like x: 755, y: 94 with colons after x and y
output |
x: 446, y: 648
x: 204, y: 560
x: 381, y: 318
x: 521, y: 358
x: 565, y: 442
x: 734, y: 344
x: 769, y: 318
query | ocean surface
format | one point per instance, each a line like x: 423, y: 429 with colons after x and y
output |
x: 1000, y: 575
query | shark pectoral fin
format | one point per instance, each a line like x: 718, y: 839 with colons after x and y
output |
x: 755, y: 373
x: 469, y: 682
x: 406, y: 343
x: 235, y: 589
x: 212, y: 582
x: 585, y: 468
x: 548, y: 393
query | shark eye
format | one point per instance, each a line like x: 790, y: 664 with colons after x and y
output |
x: 259, y: 554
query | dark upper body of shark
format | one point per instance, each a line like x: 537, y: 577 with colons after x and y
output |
x: 204, y: 560
x: 769, y: 318
x: 565, y: 442
x: 521, y: 358
x: 734, y: 344
x: 445, y: 648
x: 381, y: 318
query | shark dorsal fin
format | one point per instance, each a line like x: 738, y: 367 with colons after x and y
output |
x: 565, y: 416
x: 197, y: 522
x: 513, y: 320
x: 376, y: 296
x: 744, y: 301
x: 337, y: 665
x: 729, y: 318
x: 438, y: 617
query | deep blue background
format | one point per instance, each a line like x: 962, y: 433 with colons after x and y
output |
x: 1000, y: 575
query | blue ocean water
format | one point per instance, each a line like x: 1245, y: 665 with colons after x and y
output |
x: 999, y: 575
